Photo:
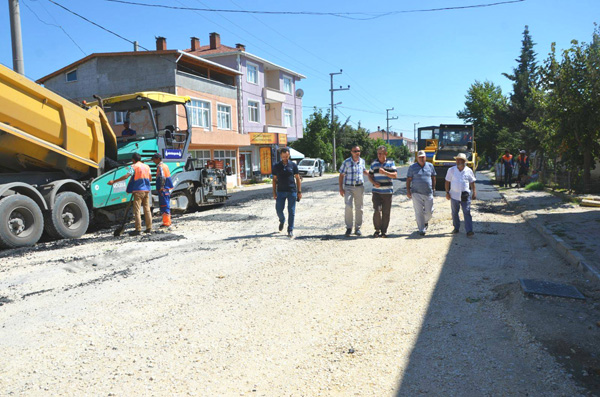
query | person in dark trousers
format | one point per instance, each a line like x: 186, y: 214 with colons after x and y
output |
x: 286, y: 187
x: 460, y: 190
x: 382, y: 173
x: 523, y: 162
x: 139, y: 187
x: 508, y: 163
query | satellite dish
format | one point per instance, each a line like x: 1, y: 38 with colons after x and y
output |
x: 299, y: 92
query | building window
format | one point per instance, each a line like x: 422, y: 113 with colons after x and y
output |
x: 228, y: 157
x: 224, y: 117
x: 202, y: 156
x: 120, y: 117
x: 71, y: 76
x: 252, y: 73
x: 287, y: 85
x: 288, y: 119
x: 254, y: 111
x: 200, y: 114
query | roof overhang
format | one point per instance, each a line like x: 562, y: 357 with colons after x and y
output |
x: 268, y: 64
x: 139, y: 100
x: 206, y: 61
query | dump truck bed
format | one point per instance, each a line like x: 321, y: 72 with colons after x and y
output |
x: 42, y: 131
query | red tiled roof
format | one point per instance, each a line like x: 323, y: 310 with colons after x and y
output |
x: 383, y: 135
x: 205, y: 50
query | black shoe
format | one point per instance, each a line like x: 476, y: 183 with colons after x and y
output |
x: 426, y: 226
x: 455, y: 231
x: 281, y: 225
x: 291, y: 234
x: 358, y: 232
x: 421, y: 233
x: 148, y: 231
x: 384, y: 235
x: 135, y: 233
x: 470, y: 234
x: 348, y: 232
x: 376, y: 234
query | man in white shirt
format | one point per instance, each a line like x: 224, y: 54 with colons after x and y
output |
x: 460, y: 189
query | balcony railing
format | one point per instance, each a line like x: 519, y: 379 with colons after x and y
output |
x: 273, y: 96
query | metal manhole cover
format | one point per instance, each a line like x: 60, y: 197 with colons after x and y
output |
x: 538, y: 287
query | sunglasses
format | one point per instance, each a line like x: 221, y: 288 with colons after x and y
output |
x: 356, y: 151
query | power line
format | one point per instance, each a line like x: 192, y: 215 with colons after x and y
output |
x: 55, y: 25
x: 362, y: 16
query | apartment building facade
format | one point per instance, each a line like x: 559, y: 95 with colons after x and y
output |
x: 212, y: 87
x: 269, y: 103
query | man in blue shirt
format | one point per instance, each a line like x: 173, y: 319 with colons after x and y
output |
x: 352, y: 189
x: 286, y: 187
x: 420, y: 182
x: 381, y: 175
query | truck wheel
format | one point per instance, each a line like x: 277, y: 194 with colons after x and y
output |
x: 21, y: 222
x: 69, y: 217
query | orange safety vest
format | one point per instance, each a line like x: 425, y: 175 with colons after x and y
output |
x: 140, y: 182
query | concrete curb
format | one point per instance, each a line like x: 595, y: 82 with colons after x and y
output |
x: 570, y: 254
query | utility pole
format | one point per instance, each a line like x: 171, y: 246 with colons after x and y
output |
x: 332, y: 90
x: 415, y: 134
x: 387, y: 117
x: 15, y: 34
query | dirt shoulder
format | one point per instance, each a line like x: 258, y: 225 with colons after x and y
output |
x: 224, y: 304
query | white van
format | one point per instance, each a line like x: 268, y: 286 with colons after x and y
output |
x: 311, y: 167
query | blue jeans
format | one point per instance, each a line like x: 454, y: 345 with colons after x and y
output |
x: 280, y: 205
x: 466, y: 209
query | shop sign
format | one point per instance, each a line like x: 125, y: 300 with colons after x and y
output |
x: 265, y: 160
x: 262, y: 138
x: 282, y: 139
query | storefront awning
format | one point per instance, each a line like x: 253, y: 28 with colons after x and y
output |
x: 296, y: 155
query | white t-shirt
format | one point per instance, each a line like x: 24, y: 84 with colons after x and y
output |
x: 459, y: 181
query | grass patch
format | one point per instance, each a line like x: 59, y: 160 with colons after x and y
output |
x: 535, y: 186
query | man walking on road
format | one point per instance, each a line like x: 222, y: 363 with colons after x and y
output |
x: 508, y: 162
x: 286, y: 187
x: 352, y: 189
x: 381, y: 175
x: 164, y: 184
x: 139, y: 187
x: 420, y: 182
x: 460, y: 189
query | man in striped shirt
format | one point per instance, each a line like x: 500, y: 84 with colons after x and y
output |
x: 382, y: 173
x: 352, y: 189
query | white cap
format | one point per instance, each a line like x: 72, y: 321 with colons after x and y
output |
x: 421, y: 153
x: 461, y: 156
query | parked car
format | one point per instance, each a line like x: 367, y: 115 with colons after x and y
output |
x: 311, y: 167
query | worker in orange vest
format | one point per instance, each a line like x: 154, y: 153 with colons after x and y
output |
x: 164, y: 185
x: 139, y: 187
x: 523, y: 162
x: 508, y: 162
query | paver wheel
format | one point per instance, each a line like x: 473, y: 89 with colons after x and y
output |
x: 21, y: 222
x: 69, y: 217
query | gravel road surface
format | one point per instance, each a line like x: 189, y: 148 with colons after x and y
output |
x: 224, y: 304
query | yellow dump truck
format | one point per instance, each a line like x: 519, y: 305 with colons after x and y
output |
x: 57, y: 156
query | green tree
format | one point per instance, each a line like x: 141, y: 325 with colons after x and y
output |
x: 316, y: 141
x: 572, y: 104
x: 484, y: 105
x: 522, y: 104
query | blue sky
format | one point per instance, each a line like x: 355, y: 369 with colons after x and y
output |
x: 419, y: 63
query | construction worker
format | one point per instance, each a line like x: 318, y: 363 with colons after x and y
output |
x: 523, y: 162
x: 139, y: 187
x: 164, y: 184
x: 508, y: 162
